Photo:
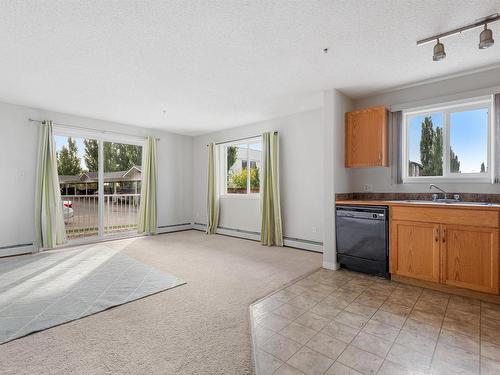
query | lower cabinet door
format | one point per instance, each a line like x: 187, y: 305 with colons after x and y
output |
x: 415, y: 249
x: 470, y: 257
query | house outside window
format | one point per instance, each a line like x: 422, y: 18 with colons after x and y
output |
x: 448, y: 143
x: 236, y: 178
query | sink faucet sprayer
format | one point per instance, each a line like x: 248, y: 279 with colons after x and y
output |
x: 438, y: 188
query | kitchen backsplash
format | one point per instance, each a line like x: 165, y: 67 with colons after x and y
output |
x: 468, y: 197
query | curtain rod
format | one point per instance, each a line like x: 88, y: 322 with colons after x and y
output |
x: 84, y: 128
x: 239, y: 139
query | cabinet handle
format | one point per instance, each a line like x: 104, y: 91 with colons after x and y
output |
x: 379, y: 156
x: 436, y: 235
x: 444, y: 235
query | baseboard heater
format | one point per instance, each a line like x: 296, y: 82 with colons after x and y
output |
x: 255, y: 236
x: 9, y: 250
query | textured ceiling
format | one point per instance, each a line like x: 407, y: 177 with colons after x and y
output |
x: 221, y: 63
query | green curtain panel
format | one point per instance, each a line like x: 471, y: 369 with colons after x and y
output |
x: 49, y: 216
x: 271, y: 232
x: 213, y: 191
x: 147, y: 220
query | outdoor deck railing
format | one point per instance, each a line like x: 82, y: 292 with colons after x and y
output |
x: 81, y: 214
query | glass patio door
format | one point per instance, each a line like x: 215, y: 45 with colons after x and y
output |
x: 77, y: 167
x: 100, y: 183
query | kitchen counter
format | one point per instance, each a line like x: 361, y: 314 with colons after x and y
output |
x: 462, y: 205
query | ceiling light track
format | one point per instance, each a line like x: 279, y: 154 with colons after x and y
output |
x: 481, y: 22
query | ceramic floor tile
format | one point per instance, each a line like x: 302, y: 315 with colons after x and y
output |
x: 326, y: 310
x: 340, y: 331
x: 489, y: 367
x: 392, y: 368
x: 427, y: 317
x: 266, y: 363
x: 287, y: 370
x: 457, y: 357
x: 351, y: 319
x: 381, y: 330
x: 289, y: 312
x: 304, y: 302
x: 445, y: 368
x: 395, y: 308
x: 312, y: 321
x: 360, y: 360
x: 310, y: 362
x: 409, y: 358
x: 360, y: 309
x: 462, y: 327
x: 298, y: 333
x: 422, y: 329
x: 415, y: 340
x: 490, y: 310
x: 262, y: 334
x: 340, y: 369
x: 327, y: 345
x: 470, y: 344
x: 338, y: 322
x: 273, y: 321
x: 389, y: 318
x: 280, y: 347
x: 490, y: 351
x: 372, y: 344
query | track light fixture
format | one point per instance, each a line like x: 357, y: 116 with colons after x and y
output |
x: 485, y: 38
x: 439, y: 53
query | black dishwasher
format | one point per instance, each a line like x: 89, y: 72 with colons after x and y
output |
x: 362, y: 239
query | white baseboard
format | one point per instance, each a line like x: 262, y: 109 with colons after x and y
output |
x: 255, y: 236
x: 6, y: 251
x: 331, y: 265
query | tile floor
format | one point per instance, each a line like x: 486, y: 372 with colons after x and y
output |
x: 340, y: 322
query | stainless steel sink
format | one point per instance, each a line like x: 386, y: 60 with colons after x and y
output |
x: 447, y: 201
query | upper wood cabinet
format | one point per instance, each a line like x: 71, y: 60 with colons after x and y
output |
x: 366, y: 133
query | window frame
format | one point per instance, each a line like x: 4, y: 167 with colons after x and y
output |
x: 223, y: 170
x: 446, y: 109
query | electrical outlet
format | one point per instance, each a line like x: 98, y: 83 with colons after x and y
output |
x: 367, y: 187
x: 315, y: 229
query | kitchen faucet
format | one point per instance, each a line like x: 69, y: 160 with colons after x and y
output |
x: 438, y: 188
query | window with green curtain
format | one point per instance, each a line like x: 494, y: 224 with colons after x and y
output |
x: 212, y: 189
x: 147, y: 220
x: 271, y: 227
x: 49, y: 217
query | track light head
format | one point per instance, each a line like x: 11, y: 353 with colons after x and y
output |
x: 439, y: 53
x: 486, y: 38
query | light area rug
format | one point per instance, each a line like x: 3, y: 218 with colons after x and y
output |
x: 201, y: 328
x: 51, y: 288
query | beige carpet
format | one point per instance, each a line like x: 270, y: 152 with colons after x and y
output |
x: 198, y: 328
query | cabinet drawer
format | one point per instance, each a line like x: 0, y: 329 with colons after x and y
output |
x: 480, y: 218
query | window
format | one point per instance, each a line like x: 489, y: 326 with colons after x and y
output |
x: 449, y: 142
x: 238, y: 178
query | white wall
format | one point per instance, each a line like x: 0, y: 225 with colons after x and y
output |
x: 337, y: 177
x: 477, y: 84
x: 301, y: 178
x: 18, y: 156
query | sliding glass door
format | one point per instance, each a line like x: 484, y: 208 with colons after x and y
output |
x: 100, y: 197
x: 122, y: 186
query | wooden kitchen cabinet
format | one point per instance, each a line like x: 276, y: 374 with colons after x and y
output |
x: 459, y: 248
x: 366, y: 133
x: 470, y: 257
x: 415, y: 250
